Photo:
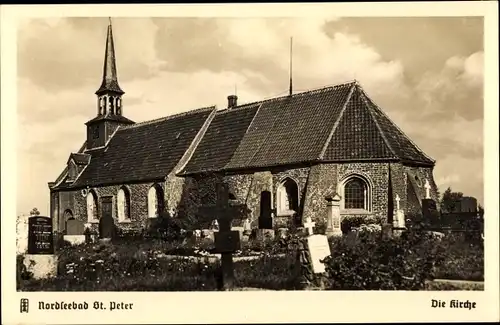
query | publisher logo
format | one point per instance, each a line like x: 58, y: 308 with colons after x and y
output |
x: 24, y: 304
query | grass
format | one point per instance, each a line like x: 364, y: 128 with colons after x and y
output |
x: 144, y: 265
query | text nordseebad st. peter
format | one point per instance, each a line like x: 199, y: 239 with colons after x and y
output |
x: 98, y: 305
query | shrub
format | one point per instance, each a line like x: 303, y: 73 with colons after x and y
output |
x: 348, y: 223
x: 22, y: 272
x: 377, y: 263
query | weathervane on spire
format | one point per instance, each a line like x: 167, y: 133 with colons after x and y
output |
x: 109, y: 18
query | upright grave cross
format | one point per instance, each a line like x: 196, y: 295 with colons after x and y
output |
x: 226, y: 241
x: 309, y: 225
x: 397, y: 202
x: 427, y: 189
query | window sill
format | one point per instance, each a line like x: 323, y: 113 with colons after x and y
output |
x: 355, y: 211
x: 93, y: 221
x: 125, y: 221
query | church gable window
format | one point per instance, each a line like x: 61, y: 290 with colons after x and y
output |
x: 356, y: 193
x: 287, y: 197
x: 155, y: 201
x: 92, y: 213
x: 123, y: 202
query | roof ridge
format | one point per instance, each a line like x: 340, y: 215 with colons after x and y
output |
x: 337, y: 122
x: 237, y: 108
x: 169, y: 117
x: 382, y: 134
x: 396, y: 126
x: 303, y: 93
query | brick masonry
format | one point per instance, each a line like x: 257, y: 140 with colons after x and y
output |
x: 183, y: 196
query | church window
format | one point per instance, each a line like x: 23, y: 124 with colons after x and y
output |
x: 123, y: 202
x: 356, y: 193
x: 155, y: 201
x: 92, y: 213
x: 287, y: 197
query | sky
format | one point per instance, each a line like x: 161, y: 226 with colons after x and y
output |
x: 426, y: 73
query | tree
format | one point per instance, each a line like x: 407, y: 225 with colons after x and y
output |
x: 34, y: 212
x: 449, y: 200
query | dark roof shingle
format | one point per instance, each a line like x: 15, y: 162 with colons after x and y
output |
x: 221, y: 139
x: 291, y: 129
x: 144, y: 151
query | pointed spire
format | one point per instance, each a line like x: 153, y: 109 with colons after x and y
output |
x: 109, y: 77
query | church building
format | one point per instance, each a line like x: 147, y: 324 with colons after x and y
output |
x: 284, y: 155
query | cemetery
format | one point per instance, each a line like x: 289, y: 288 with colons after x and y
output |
x: 347, y: 255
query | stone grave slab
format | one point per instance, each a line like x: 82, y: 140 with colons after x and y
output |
x: 40, y: 236
x: 319, y: 248
x: 40, y: 259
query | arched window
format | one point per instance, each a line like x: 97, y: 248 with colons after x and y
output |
x: 92, y: 213
x: 356, y: 193
x: 123, y: 202
x: 287, y: 197
x: 155, y: 201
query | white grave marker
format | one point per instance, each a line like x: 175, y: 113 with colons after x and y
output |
x: 427, y: 189
x: 397, y: 202
x: 309, y: 225
x: 319, y: 248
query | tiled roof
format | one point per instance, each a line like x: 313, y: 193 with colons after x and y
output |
x: 144, y: 151
x: 402, y: 146
x: 291, y: 129
x: 221, y: 139
x: 332, y: 124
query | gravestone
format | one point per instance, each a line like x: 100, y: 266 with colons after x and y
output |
x: 247, y: 227
x: 427, y: 187
x: 265, y: 217
x: 333, y: 216
x: 468, y: 204
x: 75, y: 231
x: 227, y: 242
x: 430, y: 213
x: 319, y: 249
x: 40, y: 236
x: 40, y: 259
x: 74, y: 227
x: 312, y: 250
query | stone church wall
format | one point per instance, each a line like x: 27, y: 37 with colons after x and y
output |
x: 378, y: 175
x: 322, y: 182
x: 183, y: 196
x: 77, y: 204
x: 413, y: 206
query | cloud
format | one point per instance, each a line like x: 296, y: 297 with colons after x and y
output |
x: 59, y: 54
x: 462, y: 174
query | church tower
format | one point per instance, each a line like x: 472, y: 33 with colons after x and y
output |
x: 109, y: 101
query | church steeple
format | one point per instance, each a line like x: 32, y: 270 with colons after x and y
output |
x: 109, y: 93
x: 109, y: 101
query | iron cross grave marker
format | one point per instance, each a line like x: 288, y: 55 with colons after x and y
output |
x: 226, y: 241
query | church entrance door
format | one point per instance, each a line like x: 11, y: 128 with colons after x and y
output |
x: 265, y: 217
x: 106, y: 222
